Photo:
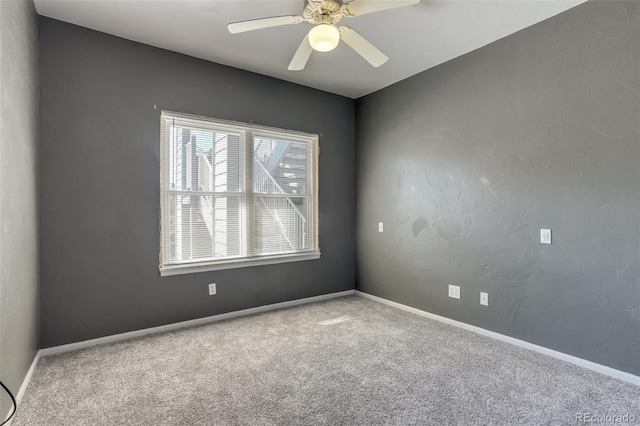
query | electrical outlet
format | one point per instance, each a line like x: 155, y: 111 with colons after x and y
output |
x: 545, y: 236
x: 484, y: 298
x: 212, y: 289
x: 380, y: 227
x: 454, y: 291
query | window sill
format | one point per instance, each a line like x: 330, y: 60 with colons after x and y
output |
x: 193, y: 268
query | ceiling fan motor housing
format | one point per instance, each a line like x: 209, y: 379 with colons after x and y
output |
x: 323, y: 11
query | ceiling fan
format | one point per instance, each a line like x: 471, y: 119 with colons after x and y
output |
x: 325, y: 35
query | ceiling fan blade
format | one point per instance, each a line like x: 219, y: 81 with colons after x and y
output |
x: 301, y: 56
x: 362, y: 7
x: 368, y: 51
x: 257, y: 24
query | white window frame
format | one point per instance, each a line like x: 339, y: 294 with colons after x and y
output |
x: 247, y: 131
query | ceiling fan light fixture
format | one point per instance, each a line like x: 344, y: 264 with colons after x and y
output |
x: 324, y: 37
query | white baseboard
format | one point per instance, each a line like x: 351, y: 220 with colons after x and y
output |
x: 599, y: 368
x: 175, y: 326
x: 25, y: 383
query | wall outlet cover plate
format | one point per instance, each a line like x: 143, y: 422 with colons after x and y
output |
x: 454, y: 291
x: 545, y: 236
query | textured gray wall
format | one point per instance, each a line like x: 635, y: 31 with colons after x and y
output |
x: 100, y: 184
x: 18, y: 189
x: 464, y: 164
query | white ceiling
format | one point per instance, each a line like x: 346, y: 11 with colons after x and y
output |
x: 415, y: 38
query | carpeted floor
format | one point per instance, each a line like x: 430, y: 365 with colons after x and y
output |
x: 348, y: 361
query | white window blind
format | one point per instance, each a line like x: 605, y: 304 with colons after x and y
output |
x: 235, y: 194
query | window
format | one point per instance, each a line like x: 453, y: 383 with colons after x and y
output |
x: 235, y: 194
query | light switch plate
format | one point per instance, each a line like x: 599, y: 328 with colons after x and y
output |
x: 212, y: 289
x: 380, y: 227
x: 484, y: 298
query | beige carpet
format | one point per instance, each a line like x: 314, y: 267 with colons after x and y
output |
x: 348, y: 361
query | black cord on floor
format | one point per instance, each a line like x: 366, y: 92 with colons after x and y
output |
x: 13, y: 401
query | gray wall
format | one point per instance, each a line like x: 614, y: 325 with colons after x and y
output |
x: 465, y: 162
x: 18, y: 188
x: 99, y: 212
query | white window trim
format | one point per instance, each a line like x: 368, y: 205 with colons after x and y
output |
x: 243, y: 262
